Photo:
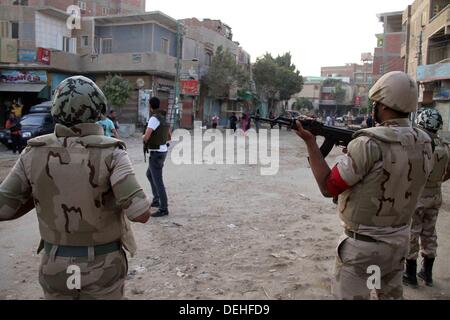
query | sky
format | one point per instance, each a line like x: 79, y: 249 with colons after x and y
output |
x: 317, y: 33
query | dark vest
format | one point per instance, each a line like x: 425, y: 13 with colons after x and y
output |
x: 159, y: 136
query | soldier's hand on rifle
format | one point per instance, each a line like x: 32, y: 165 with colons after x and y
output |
x: 304, y: 134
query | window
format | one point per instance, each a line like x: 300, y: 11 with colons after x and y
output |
x: 82, y: 5
x: 66, y: 44
x: 15, y: 30
x: 105, y: 11
x: 106, y: 45
x: 9, y: 29
x: 20, y: 2
x: 84, y: 41
x: 382, y: 69
x: 208, y: 58
x: 164, y: 45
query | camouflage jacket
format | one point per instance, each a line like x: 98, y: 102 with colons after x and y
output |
x: 83, y: 185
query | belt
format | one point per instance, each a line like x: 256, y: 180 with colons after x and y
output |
x: 83, y: 251
x: 359, y: 237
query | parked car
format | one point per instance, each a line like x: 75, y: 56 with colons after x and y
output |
x: 44, y: 107
x: 5, y: 138
x: 36, y: 124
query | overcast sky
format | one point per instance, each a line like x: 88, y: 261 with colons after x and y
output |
x: 317, y: 33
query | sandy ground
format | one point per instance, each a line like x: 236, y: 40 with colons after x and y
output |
x: 231, y: 234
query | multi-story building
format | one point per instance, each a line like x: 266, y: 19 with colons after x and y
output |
x: 387, y: 55
x: 426, y: 51
x: 360, y: 78
x: 87, y: 7
x: 200, y: 42
x: 39, y: 50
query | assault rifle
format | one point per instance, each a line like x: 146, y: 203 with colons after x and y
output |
x: 333, y: 136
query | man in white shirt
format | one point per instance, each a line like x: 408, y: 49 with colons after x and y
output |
x: 156, y: 137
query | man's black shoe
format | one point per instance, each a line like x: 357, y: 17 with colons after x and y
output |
x: 155, y: 205
x: 160, y: 214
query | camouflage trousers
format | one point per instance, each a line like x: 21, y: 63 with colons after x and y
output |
x: 354, y: 274
x: 102, y: 278
x: 423, y: 237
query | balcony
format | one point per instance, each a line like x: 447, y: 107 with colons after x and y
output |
x: 66, y: 61
x: 439, y: 21
x: 149, y: 62
x: 433, y: 72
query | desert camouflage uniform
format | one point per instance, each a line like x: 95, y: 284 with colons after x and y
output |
x: 386, y: 168
x: 423, y: 225
x: 83, y: 186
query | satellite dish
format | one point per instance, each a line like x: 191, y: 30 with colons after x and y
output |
x: 140, y: 83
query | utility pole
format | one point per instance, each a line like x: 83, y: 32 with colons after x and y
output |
x: 176, y: 110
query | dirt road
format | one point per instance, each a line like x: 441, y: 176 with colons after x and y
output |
x: 231, y: 234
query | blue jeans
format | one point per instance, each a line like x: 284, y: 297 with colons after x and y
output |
x: 155, y: 177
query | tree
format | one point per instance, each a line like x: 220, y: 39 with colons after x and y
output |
x: 339, y: 92
x: 117, y: 90
x: 277, y: 78
x: 224, y: 73
x: 303, y: 103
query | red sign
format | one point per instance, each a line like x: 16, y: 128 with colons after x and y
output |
x: 189, y: 87
x: 357, y: 101
x: 43, y: 55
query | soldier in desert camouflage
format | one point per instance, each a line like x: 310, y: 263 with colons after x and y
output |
x: 424, y: 220
x: 378, y: 183
x: 84, y: 189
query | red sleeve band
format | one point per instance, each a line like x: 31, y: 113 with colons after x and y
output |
x: 335, y: 184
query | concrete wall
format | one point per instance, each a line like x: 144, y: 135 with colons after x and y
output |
x: 50, y: 32
x: 128, y: 38
x: 137, y: 38
x: 122, y: 62
x: 159, y: 33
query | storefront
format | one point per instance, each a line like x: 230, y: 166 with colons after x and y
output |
x: 27, y: 88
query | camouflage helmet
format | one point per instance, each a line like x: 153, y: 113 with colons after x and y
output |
x: 78, y: 100
x: 429, y: 119
x: 396, y: 90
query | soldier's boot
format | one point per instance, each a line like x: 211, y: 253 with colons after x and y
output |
x: 426, y: 274
x: 410, y: 274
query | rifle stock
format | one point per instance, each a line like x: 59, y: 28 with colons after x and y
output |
x: 333, y: 136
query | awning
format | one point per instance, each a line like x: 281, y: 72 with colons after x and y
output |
x: 21, y: 87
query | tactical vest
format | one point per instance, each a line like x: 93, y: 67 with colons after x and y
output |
x: 441, y: 161
x: 160, y: 136
x: 388, y: 194
x: 73, y: 196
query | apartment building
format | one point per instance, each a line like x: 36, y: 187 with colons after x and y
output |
x: 38, y: 51
x: 426, y: 50
x: 87, y: 7
x: 200, y: 42
x: 387, y: 55
x: 360, y: 78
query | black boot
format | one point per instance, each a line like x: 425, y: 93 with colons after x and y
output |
x: 409, y: 276
x: 426, y: 274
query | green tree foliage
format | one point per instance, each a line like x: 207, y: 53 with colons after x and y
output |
x: 277, y: 78
x: 303, y: 103
x: 339, y: 91
x: 117, y: 90
x: 224, y: 73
